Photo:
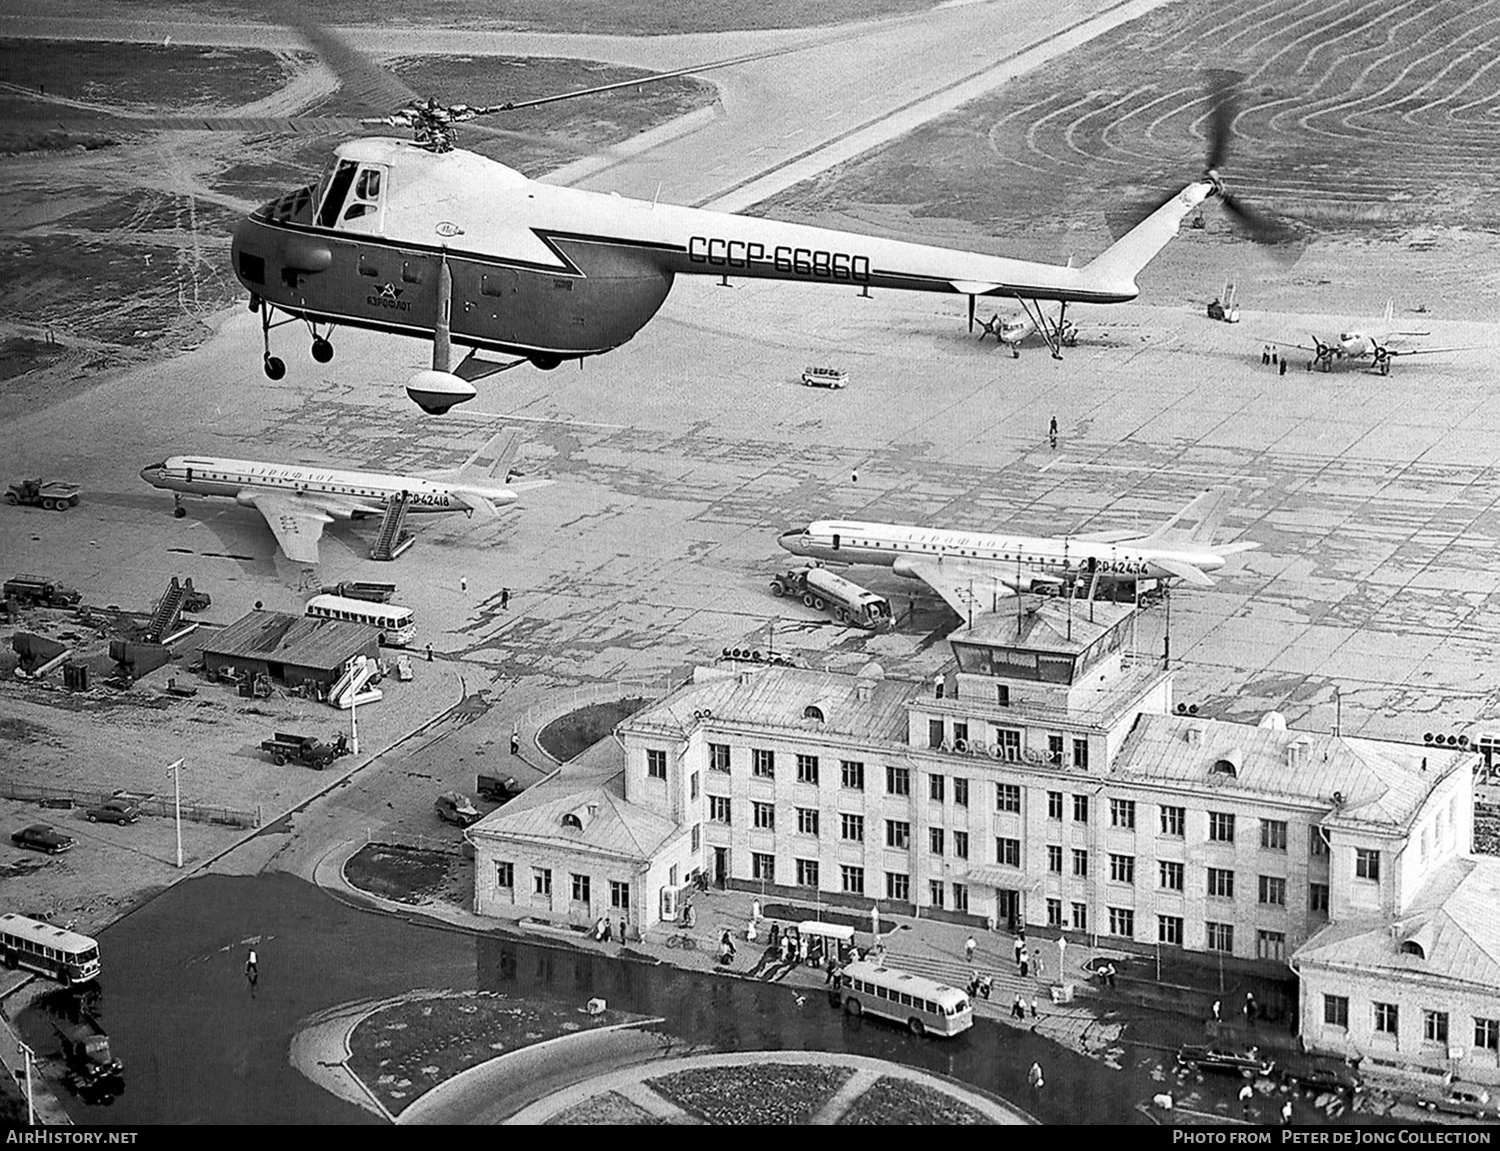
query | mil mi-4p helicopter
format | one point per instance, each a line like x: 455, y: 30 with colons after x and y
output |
x: 422, y: 238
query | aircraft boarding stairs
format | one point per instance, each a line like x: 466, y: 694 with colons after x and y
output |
x: 353, y: 685
x: 169, y: 610
x: 393, y: 540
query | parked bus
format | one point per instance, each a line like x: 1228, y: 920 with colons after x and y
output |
x: 55, y: 952
x: 819, y: 588
x: 397, y: 624
x: 925, y: 1006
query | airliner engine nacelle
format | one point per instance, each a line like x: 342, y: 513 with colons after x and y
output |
x: 435, y: 392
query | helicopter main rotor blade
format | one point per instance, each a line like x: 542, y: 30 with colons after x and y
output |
x: 363, y: 80
x: 1224, y: 98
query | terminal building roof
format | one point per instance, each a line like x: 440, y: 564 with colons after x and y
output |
x: 1449, y: 930
x: 1378, y: 781
x: 1056, y: 625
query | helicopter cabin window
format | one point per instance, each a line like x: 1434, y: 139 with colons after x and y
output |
x: 338, y: 189
x: 362, y: 212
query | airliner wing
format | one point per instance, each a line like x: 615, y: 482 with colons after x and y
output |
x: 297, y: 524
x: 968, y: 588
x: 1186, y: 572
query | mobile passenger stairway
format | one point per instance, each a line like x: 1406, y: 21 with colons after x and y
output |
x: 169, y: 611
x: 393, y: 540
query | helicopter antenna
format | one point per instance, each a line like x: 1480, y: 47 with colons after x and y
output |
x: 656, y: 197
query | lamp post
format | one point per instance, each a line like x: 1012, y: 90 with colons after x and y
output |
x: 28, y: 1055
x: 357, y: 667
x: 174, y: 769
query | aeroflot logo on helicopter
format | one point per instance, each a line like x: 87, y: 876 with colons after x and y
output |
x: 389, y: 296
x: 799, y: 261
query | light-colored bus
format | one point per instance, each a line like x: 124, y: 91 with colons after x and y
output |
x: 397, y: 624
x: 925, y: 1006
x: 55, y: 952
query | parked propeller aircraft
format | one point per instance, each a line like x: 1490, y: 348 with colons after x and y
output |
x: 1011, y: 331
x: 297, y: 500
x: 973, y: 571
x: 1356, y: 345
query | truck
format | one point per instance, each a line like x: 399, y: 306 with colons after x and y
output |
x: 819, y: 588
x: 362, y: 589
x: 35, y: 589
x: 497, y: 790
x: 54, y: 495
x: 307, y: 749
x: 85, y: 1049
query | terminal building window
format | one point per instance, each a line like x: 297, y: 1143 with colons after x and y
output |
x: 853, y: 774
x: 1122, y: 922
x: 1173, y: 820
x: 693, y: 786
x: 935, y: 733
x: 1081, y: 754
x: 1080, y: 917
x: 1387, y: 1018
x: 1080, y: 863
x: 853, y: 828
x: 1080, y: 809
x: 960, y: 792
x: 807, y: 769
x: 1171, y: 875
x: 960, y: 897
x: 1273, y: 891
x: 1317, y: 898
x: 1317, y: 846
x: 1270, y: 944
x: 580, y: 888
x: 897, y: 834
x: 718, y: 809
x: 1221, y: 826
x: 1122, y: 868
x: 656, y: 764
x: 1054, y: 858
x: 1336, y: 1011
x: 897, y: 886
x: 1169, y: 930
x: 541, y: 880
x: 1122, y: 813
x: 718, y: 757
x: 1219, y: 937
x: 1054, y: 804
x: 807, y: 821
x: 1487, y: 1034
x: 1008, y: 852
x: 807, y: 873
x: 1055, y: 750
x: 1007, y: 797
x: 961, y: 844
x: 935, y: 840
x: 935, y: 788
x: 619, y: 895
x: 1054, y: 913
x: 763, y: 866
x: 765, y: 816
x: 1435, y: 1027
x: 505, y: 875
x: 1366, y: 863
x: 897, y: 781
x: 853, y: 879
x: 1220, y: 883
x: 1009, y: 740
x: 763, y: 763
x: 1273, y: 834
x: 935, y: 892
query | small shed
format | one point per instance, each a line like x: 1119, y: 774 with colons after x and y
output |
x: 293, y: 649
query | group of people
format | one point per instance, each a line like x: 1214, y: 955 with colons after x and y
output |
x: 1271, y: 356
x: 604, y: 931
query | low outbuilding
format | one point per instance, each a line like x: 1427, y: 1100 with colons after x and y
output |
x: 294, y: 650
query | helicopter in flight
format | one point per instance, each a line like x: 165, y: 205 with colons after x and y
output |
x: 422, y: 238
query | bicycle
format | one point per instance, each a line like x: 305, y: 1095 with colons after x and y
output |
x: 686, y: 942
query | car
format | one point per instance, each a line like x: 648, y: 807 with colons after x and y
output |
x: 1322, y: 1073
x: 113, y: 811
x: 456, y: 807
x: 1249, y: 1062
x: 825, y: 377
x: 41, y: 837
x: 1463, y: 1099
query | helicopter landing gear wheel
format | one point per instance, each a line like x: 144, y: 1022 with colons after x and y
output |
x: 275, y: 369
x: 322, y: 350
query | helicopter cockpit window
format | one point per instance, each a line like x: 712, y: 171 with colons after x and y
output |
x: 338, y: 188
x: 364, y: 200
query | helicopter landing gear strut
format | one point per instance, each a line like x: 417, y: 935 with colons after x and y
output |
x: 275, y: 368
x: 322, y: 347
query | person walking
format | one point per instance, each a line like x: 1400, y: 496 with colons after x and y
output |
x: 622, y: 931
x: 515, y: 738
x: 463, y: 583
x: 1033, y: 1008
x: 1286, y: 1112
x: 1282, y: 370
x: 1217, y: 1017
x: 252, y: 971
x: 1247, y: 1093
x: 1249, y: 1009
x: 1019, y: 946
x: 505, y: 599
x: 429, y: 653
x: 1052, y: 431
x: 1025, y: 965
x: 1036, y: 962
x: 755, y: 910
x: 1034, y: 1077
x: 1018, y: 1008
x: 1265, y: 354
x: 969, y: 945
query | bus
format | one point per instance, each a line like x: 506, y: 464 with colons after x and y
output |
x: 924, y: 1006
x: 52, y: 951
x: 397, y: 624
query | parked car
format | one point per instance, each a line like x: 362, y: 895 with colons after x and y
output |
x: 113, y: 811
x: 1322, y: 1073
x: 1462, y: 1099
x: 456, y: 807
x: 41, y: 837
x: 1249, y: 1062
